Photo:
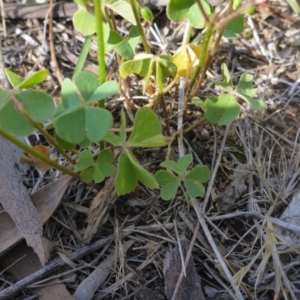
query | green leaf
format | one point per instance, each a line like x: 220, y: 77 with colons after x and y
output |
x: 196, y: 18
x: 235, y: 26
x: 19, y: 82
x: 139, y: 65
x: 13, y: 78
x: 124, y: 9
x: 126, y: 178
x: 113, y: 139
x: 122, y: 47
x: 65, y: 145
x: 177, y: 10
x: 197, y: 101
x: 104, y: 163
x: 83, y: 54
x: 86, y: 83
x: 38, y: 104
x: 193, y: 181
x: 34, y: 79
x: 92, y: 123
x: 181, y: 166
x: 87, y: 175
x: 130, y: 172
x: 13, y: 121
x: 70, y: 97
x: 84, y: 22
x: 144, y: 176
x: 226, y: 82
x: 246, y: 91
x: 221, y: 110
x: 80, y: 120
x: 245, y: 86
x: 147, y: 14
x: 146, y: 131
x: 169, y: 184
x: 85, y: 160
x: 105, y: 90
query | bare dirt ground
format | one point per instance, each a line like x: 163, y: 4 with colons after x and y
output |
x: 240, y: 242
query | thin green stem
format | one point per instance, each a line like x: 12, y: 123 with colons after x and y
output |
x: 100, y: 40
x: 41, y: 128
x: 38, y: 155
x: 194, y: 125
x: 140, y: 28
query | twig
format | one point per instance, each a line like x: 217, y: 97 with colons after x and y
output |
x: 22, y: 284
x: 52, y: 47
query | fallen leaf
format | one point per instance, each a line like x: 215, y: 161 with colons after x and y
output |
x: 45, y: 201
x: 190, y: 287
x: 32, y: 161
x: 22, y: 262
x: 17, y: 203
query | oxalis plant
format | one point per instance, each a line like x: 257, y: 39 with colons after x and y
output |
x: 82, y: 119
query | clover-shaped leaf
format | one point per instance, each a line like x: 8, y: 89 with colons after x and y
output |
x: 21, y: 83
x: 146, y: 131
x: 177, y: 10
x: 124, y: 46
x: 145, y: 64
x: 246, y: 91
x: 226, y: 82
x: 181, y: 166
x: 233, y: 27
x: 221, y: 110
x: 92, y: 171
x: 84, y: 22
x: 193, y: 181
x: 130, y: 172
x: 38, y: 104
x: 85, y: 160
x: 124, y: 9
x: 79, y: 119
x: 169, y: 184
x: 196, y: 16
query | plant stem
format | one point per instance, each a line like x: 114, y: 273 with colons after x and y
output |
x: 194, y: 125
x: 164, y: 108
x: 140, y: 28
x: 42, y: 130
x: 100, y: 40
x: 38, y: 155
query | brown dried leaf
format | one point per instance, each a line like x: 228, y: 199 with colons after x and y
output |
x: 190, y: 287
x: 32, y: 161
x: 17, y: 203
x: 22, y: 261
x: 45, y: 201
